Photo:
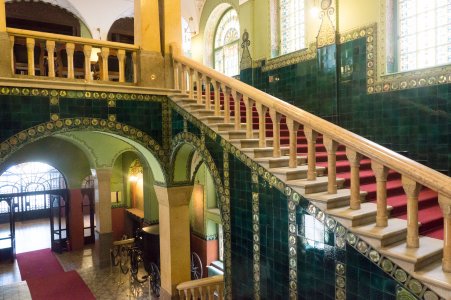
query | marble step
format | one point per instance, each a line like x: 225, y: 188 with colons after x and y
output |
x: 305, y: 187
x: 324, y: 200
x: 263, y: 152
x: 279, y: 162
x: 355, y: 217
x: 377, y: 237
x: 300, y: 172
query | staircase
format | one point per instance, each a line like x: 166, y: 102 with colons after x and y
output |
x: 399, y: 207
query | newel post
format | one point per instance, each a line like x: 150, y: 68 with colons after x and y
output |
x: 445, y: 204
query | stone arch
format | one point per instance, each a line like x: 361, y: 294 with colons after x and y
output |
x: 122, y: 30
x: 137, y: 138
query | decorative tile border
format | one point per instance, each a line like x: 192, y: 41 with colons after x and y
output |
x: 340, y: 281
x: 377, y: 81
x: 291, y: 58
x: 256, y: 234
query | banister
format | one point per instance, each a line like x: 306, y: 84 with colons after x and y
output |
x: 69, y: 39
x: 416, y: 171
x: 213, y: 280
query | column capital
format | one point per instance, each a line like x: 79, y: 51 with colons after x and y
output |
x: 70, y: 47
x: 411, y: 187
x: 105, y: 52
x: 173, y: 196
x: 354, y: 157
x: 380, y: 171
x: 445, y: 205
x: 330, y: 145
x: 310, y: 134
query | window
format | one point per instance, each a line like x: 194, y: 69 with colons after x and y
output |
x: 186, y: 38
x: 292, y: 26
x: 226, y: 44
x: 424, y: 33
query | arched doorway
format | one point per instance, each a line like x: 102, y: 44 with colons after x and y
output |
x: 35, y: 207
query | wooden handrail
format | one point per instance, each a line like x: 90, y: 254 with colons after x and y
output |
x: 69, y: 39
x: 416, y: 171
x: 201, y: 282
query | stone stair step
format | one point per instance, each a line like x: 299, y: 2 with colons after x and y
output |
x: 304, y: 186
x: 324, y: 200
x: 355, y: 217
x: 233, y: 134
x: 435, y: 278
x: 377, y: 237
x: 205, y: 112
x: 278, y: 162
x: 413, y: 259
x: 193, y: 106
x: 212, y: 119
x: 300, y: 172
x: 220, y: 127
x: 247, y: 143
x: 263, y: 152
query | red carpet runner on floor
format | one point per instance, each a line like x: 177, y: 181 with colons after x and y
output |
x: 46, y: 278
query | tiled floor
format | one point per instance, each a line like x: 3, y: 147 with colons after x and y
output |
x: 106, y: 283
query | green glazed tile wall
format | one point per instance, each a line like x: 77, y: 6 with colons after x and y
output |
x: 73, y: 108
x: 416, y: 122
x: 21, y: 112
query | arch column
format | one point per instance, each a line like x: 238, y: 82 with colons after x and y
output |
x: 174, y: 237
x: 147, y: 37
x: 5, y: 48
x: 104, y: 232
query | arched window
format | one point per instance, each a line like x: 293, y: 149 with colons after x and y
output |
x: 226, y: 44
x: 186, y: 38
x: 292, y: 25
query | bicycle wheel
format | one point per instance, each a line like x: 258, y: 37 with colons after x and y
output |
x: 196, y: 266
x: 124, y: 259
x: 114, y: 253
x: 155, y: 280
x: 139, y: 274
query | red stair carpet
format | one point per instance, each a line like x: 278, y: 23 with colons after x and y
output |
x: 47, y: 280
x: 430, y: 215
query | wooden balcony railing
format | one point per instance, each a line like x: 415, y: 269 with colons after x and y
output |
x: 205, y: 288
x: 414, y: 175
x: 51, y: 55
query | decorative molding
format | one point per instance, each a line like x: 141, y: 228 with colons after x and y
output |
x: 327, y: 33
x: 291, y: 58
x: 246, y: 59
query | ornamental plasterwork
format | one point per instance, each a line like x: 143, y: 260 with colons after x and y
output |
x: 326, y: 35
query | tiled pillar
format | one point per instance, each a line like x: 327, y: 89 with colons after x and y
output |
x: 104, y: 234
x: 174, y: 237
x: 5, y: 48
x: 150, y: 61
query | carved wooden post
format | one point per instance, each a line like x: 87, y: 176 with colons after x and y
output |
x: 445, y: 204
x: 331, y: 148
x: 105, y: 53
x: 293, y: 127
x: 226, y: 92
x: 70, y: 49
x: 249, y: 103
x: 262, y: 110
x: 199, y: 88
x: 354, y: 160
x: 11, y: 42
x: 121, y: 59
x: 275, y: 117
x: 412, y: 190
x: 216, y: 86
x: 135, y: 67
x: 237, y: 108
x: 207, y: 93
x: 30, y: 53
x: 381, y: 173
x: 311, y: 136
x: 191, y: 83
x: 87, y: 49
x: 183, y: 79
x: 50, y: 45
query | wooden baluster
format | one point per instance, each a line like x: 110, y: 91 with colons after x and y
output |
x: 236, y: 103
x: 220, y: 289
x: 188, y: 293
x: 311, y: 137
x: 207, y: 93
x: 210, y: 292
x: 412, y: 190
x: 135, y: 67
x: 249, y: 103
x: 50, y: 45
x: 11, y: 42
x: 176, y: 75
x: 217, y: 100
x: 293, y: 127
x: 331, y: 148
x: 275, y: 117
x: 445, y: 204
x: 121, y: 59
x: 87, y: 50
x: 30, y: 52
x: 226, y: 92
x: 262, y: 110
x: 194, y: 293
x: 183, y: 79
x: 203, y: 293
x: 70, y: 48
x: 354, y: 160
x: 181, y: 295
x: 191, y: 83
x: 381, y: 173
x: 199, y: 88
x: 105, y: 53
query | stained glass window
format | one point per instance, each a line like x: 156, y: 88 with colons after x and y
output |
x: 424, y: 33
x: 292, y: 25
x: 226, y: 44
